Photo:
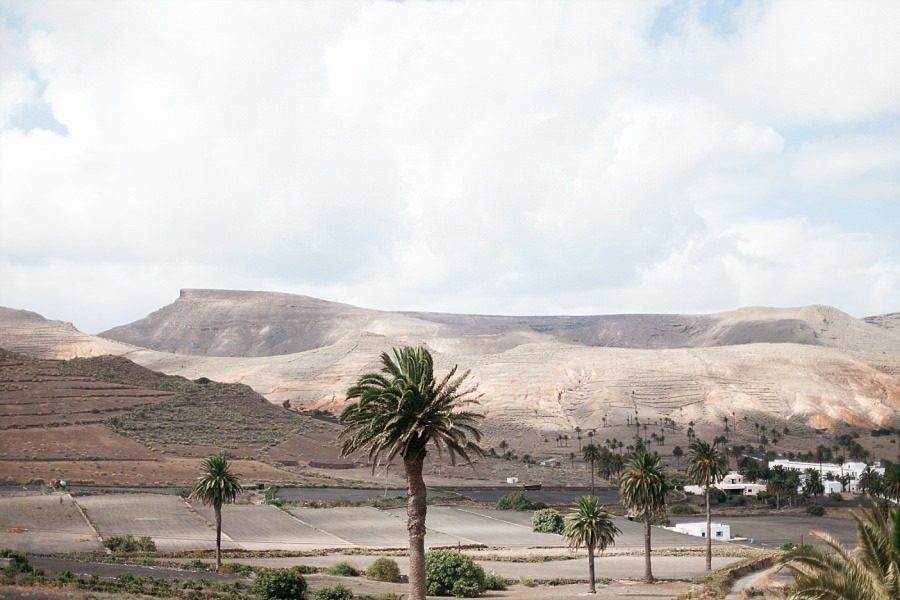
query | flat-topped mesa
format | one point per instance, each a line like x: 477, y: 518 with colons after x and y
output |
x: 240, y: 323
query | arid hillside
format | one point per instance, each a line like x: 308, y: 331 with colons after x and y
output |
x: 107, y: 420
x: 813, y: 365
x: 249, y: 324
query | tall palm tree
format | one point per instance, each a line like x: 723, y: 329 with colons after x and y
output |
x: 589, y: 525
x: 813, y: 485
x: 871, y: 572
x: 591, y: 454
x: 707, y: 466
x: 400, y: 410
x: 643, y: 489
x: 215, y: 487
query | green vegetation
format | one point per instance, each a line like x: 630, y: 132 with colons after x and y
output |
x: 384, y: 569
x: 337, y: 592
x: 706, y: 466
x: 547, y: 520
x: 342, y: 569
x: 589, y: 525
x: 127, y: 543
x: 400, y: 411
x: 286, y: 584
x: 517, y: 501
x: 494, y: 582
x: 643, y: 489
x: 816, y: 510
x: 215, y: 487
x: 685, y: 508
x: 450, y: 573
x: 868, y: 573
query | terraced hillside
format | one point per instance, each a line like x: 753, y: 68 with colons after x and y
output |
x: 108, y: 420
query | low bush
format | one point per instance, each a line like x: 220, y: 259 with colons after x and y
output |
x: 515, y: 501
x: 738, y: 500
x: 547, y: 520
x: 816, y: 510
x: 835, y: 497
x: 449, y: 573
x: 684, y: 509
x: 384, y: 569
x: 494, y: 582
x: 337, y: 592
x: 286, y: 584
x: 18, y: 562
x: 236, y: 569
x: 127, y: 543
x: 342, y: 569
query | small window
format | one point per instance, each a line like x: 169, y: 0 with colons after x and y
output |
x: 719, y: 533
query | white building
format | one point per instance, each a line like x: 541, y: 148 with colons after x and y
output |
x: 732, y: 484
x: 718, y: 531
x: 851, y: 469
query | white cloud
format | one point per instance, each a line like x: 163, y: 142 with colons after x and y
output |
x: 479, y: 157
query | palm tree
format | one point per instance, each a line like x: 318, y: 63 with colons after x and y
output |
x: 677, y: 452
x: 643, y: 489
x: 706, y: 466
x: 813, y: 485
x: 589, y: 525
x: 870, y: 572
x: 216, y: 486
x: 591, y: 453
x: 400, y: 410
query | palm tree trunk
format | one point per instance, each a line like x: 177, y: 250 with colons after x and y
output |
x: 648, y: 572
x: 593, y: 586
x: 592, y: 481
x: 218, y: 538
x: 415, y: 525
x: 708, y: 532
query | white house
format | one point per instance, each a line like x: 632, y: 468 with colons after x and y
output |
x: 851, y: 469
x: 718, y: 531
x: 732, y: 484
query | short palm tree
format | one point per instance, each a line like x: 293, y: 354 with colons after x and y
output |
x: 643, y: 489
x: 871, y: 572
x: 216, y: 486
x: 589, y: 525
x: 591, y: 454
x: 400, y: 410
x: 707, y: 465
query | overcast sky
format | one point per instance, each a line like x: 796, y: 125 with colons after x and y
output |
x: 491, y: 157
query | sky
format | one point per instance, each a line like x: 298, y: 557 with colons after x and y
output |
x: 500, y: 157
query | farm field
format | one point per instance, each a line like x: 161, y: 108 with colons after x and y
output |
x: 166, y: 519
x: 261, y: 527
x: 367, y: 527
x: 46, y: 524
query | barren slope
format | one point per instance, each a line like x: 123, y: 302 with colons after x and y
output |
x: 816, y: 363
x: 228, y: 323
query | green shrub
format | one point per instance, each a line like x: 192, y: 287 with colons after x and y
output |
x: 835, y: 497
x: 494, y: 582
x: 717, y: 496
x: 196, y: 565
x: 203, y: 380
x: 18, y: 562
x: 236, y: 568
x: 547, y: 520
x: 449, y: 573
x: 515, y: 501
x: 787, y: 546
x: 127, y: 543
x: 342, y: 569
x: 287, y: 584
x: 384, y: 569
x: 337, y: 592
x: 526, y: 581
x: 684, y: 509
x: 815, y: 510
x: 738, y: 500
